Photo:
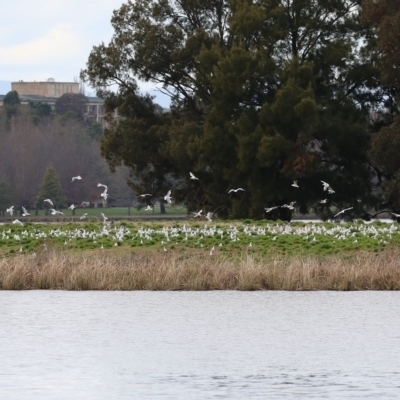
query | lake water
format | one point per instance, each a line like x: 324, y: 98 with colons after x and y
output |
x: 199, y: 345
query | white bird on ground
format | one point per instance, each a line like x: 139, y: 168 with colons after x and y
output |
x: 269, y: 209
x: 168, y: 197
x: 74, y: 178
x: 341, y: 212
x: 24, y: 212
x: 10, y: 210
x: 17, y: 222
x: 235, y: 190
x: 289, y: 206
x: 101, y: 185
x: 145, y: 194
x: 83, y: 216
x: 294, y: 184
x: 148, y: 208
x: 193, y: 177
x: 55, y: 212
x: 48, y: 201
x: 71, y: 207
x: 197, y: 214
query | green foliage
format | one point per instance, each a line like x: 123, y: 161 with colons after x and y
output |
x: 51, y: 189
x: 95, y: 130
x: 263, y: 93
x: 39, y: 110
x: 72, y: 103
x: 11, y: 103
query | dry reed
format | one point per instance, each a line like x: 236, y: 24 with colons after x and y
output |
x: 199, y: 271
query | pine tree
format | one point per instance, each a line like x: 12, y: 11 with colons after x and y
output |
x: 51, y: 189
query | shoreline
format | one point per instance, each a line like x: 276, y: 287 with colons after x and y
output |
x: 197, y: 270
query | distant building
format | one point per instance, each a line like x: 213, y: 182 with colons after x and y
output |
x: 48, y: 92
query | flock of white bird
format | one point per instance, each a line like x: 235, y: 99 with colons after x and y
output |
x: 198, y: 214
x: 223, y: 235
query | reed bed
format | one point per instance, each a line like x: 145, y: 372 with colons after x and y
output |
x: 198, y: 271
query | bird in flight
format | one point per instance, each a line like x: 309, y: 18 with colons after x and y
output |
x: 193, y: 177
x: 327, y: 187
x: 103, y: 216
x: 83, y: 216
x: 104, y: 195
x: 10, y: 210
x: 168, y: 197
x: 341, y: 212
x: 209, y: 216
x: 145, y: 194
x: 294, y: 184
x: 24, y: 212
x: 71, y: 207
x: 235, y: 190
x: 74, y: 178
x: 289, y: 206
x: 18, y: 222
x: 269, y: 209
x: 148, y: 208
x: 396, y: 215
x: 48, y: 201
x: 54, y: 212
x: 324, y: 201
x: 197, y: 214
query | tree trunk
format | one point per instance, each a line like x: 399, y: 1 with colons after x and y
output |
x: 162, y: 207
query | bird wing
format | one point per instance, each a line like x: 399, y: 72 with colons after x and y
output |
x: 24, y: 210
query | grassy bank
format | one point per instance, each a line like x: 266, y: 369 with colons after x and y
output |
x: 195, y: 255
x: 196, y: 270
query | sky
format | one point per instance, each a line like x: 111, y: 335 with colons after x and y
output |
x: 41, y: 39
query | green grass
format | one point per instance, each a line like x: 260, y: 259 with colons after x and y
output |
x: 260, y: 238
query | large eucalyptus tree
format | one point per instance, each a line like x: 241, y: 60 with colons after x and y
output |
x: 263, y: 92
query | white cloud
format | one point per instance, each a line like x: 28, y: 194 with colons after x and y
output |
x: 56, y: 47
